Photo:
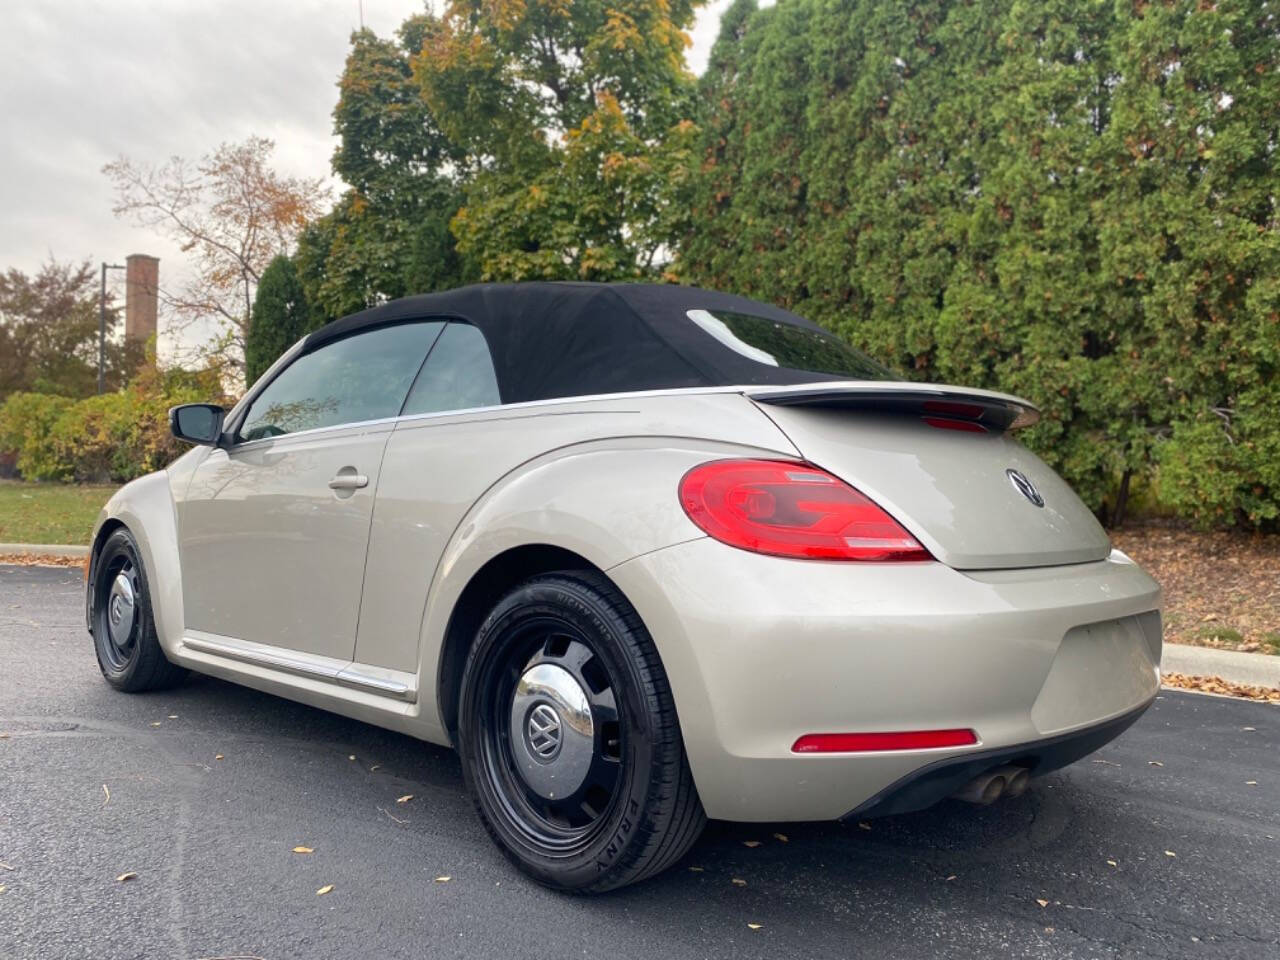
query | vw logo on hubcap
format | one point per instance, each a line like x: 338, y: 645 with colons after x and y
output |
x: 1024, y: 486
x: 543, y: 732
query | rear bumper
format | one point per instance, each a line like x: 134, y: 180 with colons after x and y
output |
x: 938, y: 780
x: 761, y: 650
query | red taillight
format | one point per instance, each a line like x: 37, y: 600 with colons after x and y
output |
x: 865, y: 742
x: 946, y: 423
x: 792, y: 510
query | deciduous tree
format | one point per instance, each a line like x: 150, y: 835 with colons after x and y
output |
x: 569, y: 124
x: 49, y: 333
x: 231, y: 212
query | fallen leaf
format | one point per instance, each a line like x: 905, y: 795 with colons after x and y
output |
x: 303, y: 850
x: 751, y: 843
x: 1048, y: 929
x: 1112, y: 863
x: 374, y: 767
x: 2, y: 888
x: 173, y: 716
x: 695, y: 869
x: 156, y: 723
x: 950, y: 878
x: 780, y: 837
x: 444, y: 879
x: 327, y: 888
x: 738, y: 882
x: 754, y: 926
x: 405, y: 799
x: 1109, y: 763
x: 4, y: 866
x: 351, y: 756
x: 1043, y: 903
x: 4, y: 736
x: 217, y: 756
x: 863, y: 825
x: 1154, y: 763
x: 126, y: 877
x: 1170, y: 853
x: 1246, y: 729
x: 108, y: 793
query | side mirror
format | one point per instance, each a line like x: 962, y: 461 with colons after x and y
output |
x: 197, y: 422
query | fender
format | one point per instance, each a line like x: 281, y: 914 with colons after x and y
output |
x: 146, y: 507
x: 607, y: 501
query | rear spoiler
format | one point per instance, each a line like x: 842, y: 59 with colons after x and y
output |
x: 995, y: 411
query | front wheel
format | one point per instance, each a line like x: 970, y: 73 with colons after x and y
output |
x: 569, y: 738
x: 124, y: 630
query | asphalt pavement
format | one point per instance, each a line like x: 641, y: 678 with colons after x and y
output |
x: 1163, y: 844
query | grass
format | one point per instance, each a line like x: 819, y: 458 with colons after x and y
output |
x: 1219, y: 632
x: 58, y: 513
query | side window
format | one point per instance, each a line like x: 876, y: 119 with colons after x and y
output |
x: 458, y: 374
x: 361, y: 377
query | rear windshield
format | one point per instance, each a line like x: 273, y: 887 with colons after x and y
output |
x: 779, y: 344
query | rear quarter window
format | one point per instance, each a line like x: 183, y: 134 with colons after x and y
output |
x: 777, y: 344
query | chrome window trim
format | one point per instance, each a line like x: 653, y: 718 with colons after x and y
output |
x: 750, y: 391
x: 534, y: 405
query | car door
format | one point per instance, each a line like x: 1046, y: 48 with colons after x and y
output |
x: 273, y: 528
x: 438, y: 462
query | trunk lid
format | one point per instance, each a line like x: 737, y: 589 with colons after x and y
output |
x: 942, y: 462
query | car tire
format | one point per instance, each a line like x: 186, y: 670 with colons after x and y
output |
x: 124, y: 629
x: 569, y: 739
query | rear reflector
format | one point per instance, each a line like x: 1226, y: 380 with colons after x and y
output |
x: 867, y: 742
x: 790, y: 509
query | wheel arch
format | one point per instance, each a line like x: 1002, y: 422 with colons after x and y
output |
x: 486, y: 586
x: 145, y: 508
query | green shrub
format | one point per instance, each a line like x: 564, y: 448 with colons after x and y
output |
x: 112, y: 437
x: 26, y: 427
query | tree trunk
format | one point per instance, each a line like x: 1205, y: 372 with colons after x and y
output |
x: 1122, y: 500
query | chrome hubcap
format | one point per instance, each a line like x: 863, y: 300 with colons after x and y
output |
x: 552, y: 732
x: 121, y: 609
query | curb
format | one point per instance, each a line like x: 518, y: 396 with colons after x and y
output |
x: 1256, y: 669
x: 43, y: 550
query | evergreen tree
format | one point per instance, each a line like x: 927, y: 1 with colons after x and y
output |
x: 1071, y: 201
x: 280, y: 317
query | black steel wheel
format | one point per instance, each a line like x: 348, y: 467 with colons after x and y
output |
x: 569, y: 737
x: 124, y: 631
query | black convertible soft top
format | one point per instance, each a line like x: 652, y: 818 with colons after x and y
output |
x: 553, y: 340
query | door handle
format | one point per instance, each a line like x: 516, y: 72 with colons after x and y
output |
x: 348, y: 481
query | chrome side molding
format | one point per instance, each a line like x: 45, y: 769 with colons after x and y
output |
x: 352, y: 675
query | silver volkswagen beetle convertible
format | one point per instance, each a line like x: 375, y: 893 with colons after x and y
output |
x: 644, y: 555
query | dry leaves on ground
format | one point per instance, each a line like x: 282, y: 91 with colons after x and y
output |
x: 327, y: 888
x: 1221, y: 588
x: 31, y: 559
x: 1225, y: 687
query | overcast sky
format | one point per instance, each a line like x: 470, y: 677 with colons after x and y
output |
x: 84, y: 81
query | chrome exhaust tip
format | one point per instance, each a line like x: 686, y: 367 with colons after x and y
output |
x: 1016, y: 780
x: 984, y: 789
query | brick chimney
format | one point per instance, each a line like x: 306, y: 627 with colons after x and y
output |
x: 142, y: 288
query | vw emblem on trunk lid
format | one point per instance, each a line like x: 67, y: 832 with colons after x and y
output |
x: 1024, y: 486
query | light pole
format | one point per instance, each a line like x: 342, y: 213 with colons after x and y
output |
x: 102, y: 322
